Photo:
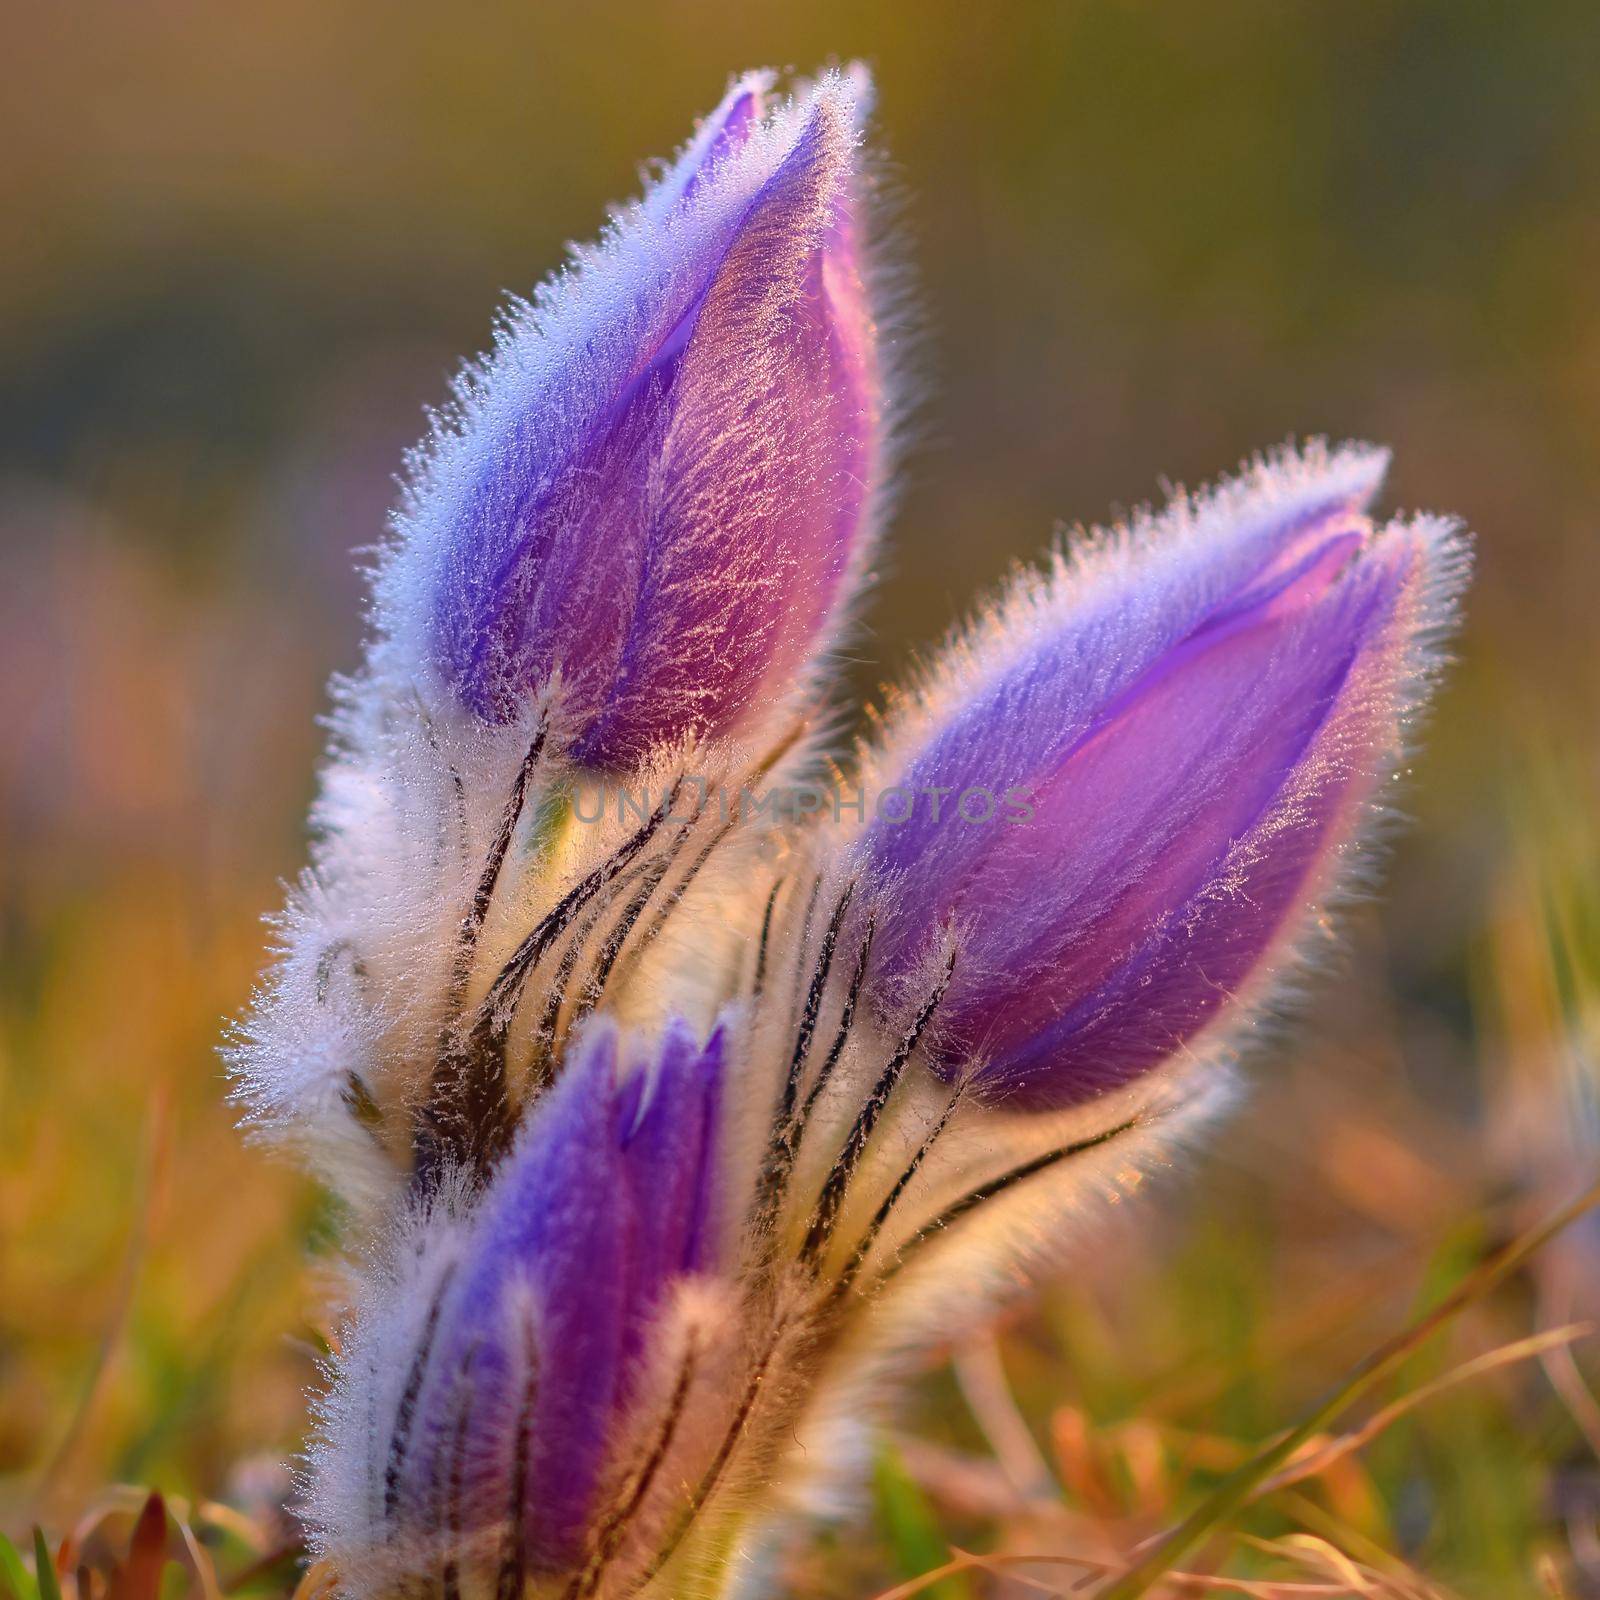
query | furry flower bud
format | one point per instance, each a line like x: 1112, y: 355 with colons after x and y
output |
x: 1152, y: 762
x: 501, y: 1387
x: 656, y: 496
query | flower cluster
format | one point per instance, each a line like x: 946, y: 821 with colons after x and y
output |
x: 664, y: 1129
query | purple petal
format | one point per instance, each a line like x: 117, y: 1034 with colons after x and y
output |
x: 598, y: 1210
x: 719, y: 136
x: 660, y: 491
x: 547, y: 1270
x: 670, y: 1145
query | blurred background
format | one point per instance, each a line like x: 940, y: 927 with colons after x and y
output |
x: 246, y: 245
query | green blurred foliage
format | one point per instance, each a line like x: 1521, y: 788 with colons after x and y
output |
x: 246, y: 245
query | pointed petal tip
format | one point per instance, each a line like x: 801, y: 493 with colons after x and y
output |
x: 1294, y: 480
x: 746, y: 102
x: 851, y: 88
x: 832, y: 107
x: 1353, y: 470
x: 1431, y: 557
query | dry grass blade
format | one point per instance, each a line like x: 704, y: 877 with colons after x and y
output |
x: 1318, y: 1519
x: 1358, y: 1586
x: 1328, y: 1562
x: 1550, y: 1578
x: 964, y: 1561
x: 205, y: 1570
x: 1241, y: 1486
x: 320, y: 1579
x: 980, y: 1374
x: 1576, y: 1395
x: 1318, y: 1461
x: 157, y: 1154
x: 139, y: 1578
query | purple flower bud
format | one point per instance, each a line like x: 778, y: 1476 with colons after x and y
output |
x: 1146, y: 767
x: 659, y: 492
x: 720, y: 135
x: 498, y: 1384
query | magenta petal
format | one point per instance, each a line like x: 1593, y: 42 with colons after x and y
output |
x: 763, y: 480
x: 1192, y: 741
x: 1149, y: 935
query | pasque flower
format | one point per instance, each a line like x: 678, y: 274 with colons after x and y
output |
x: 659, y: 487
x: 664, y: 1134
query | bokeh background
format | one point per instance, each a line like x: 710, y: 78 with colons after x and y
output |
x: 245, y: 245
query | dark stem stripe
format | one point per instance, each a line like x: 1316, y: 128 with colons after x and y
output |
x: 546, y: 1032
x: 325, y: 964
x: 358, y: 1100
x: 405, y: 1409
x: 606, y: 960
x: 885, y: 1210
x: 847, y: 1017
x: 758, y: 770
x: 355, y: 1096
x: 813, y: 1006
x: 616, y: 941
x: 831, y: 1200
x: 513, y: 1573
x: 615, y: 1526
x: 759, y: 981
x: 450, y: 1574
x: 466, y: 1116
x: 461, y: 811
x: 712, y: 1476
x: 499, y: 1003
x: 730, y: 821
x: 375, y: 1459
x: 784, y: 1141
x: 541, y: 1069
x: 483, y: 895
x: 804, y: 944
x: 430, y: 733
x: 680, y: 889
x: 985, y: 1192
x: 547, y: 1035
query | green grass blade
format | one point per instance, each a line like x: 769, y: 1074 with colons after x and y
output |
x: 912, y: 1527
x: 44, y: 1562
x: 13, y: 1574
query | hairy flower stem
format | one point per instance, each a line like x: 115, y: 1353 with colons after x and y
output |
x: 483, y: 895
x: 634, y: 1209
x: 706, y: 1487
x: 830, y: 1202
x: 467, y: 1118
x: 614, y: 1528
x: 784, y: 1144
